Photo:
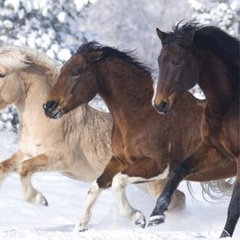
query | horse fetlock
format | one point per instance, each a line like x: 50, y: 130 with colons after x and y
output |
x: 82, y: 223
x: 141, y: 222
x: 156, y: 220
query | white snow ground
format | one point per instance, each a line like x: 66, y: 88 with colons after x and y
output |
x: 21, y: 220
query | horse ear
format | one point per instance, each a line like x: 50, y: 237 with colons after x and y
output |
x: 96, y: 56
x: 27, y: 60
x: 190, y: 35
x: 161, y: 35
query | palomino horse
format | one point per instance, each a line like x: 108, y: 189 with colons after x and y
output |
x: 145, y: 144
x: 208, y: 56
x: 78, y: 146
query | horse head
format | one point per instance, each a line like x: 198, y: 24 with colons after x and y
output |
x: 178, y: 69
x: 12, y: 60
x: 76, y: 85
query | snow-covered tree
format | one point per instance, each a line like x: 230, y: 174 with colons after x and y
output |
x: 47, y: 25
x: 43, y: 24
x: 222, y: 13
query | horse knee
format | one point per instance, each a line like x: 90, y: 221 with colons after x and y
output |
x: 24, y: 169
x: 119, y: 182
x: 6, y: 167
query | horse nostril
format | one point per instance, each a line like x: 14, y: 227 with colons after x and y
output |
x: 162, y: 107
x: 50, y: 106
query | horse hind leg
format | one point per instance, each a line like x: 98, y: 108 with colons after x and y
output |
x: 178, y: 201
x: 233, y: 208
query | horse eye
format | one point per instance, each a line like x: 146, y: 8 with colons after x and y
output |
x: 176, y: 62
x: 2, y: 75
x: 75, y: 72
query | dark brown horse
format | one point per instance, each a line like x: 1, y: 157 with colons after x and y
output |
x: 210, y: 57
x: 145, y: 144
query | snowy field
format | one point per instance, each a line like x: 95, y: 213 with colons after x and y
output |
x: 20, y: 220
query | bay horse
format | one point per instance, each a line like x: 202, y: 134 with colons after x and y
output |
x: 78, y: 146
x: 145, y: 144
x: 210, y: 57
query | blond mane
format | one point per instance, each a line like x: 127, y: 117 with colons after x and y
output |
x: 15, y: 57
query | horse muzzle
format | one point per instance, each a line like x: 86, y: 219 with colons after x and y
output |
x: 53, y: 110
x: 163, y: 107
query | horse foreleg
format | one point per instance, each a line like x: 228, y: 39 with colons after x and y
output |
x: 92, y: 196
x: 120, y: 181
x: 138, y: 172
x: 184, y: 168
x: 9, y: 165
x: 103, y: 182
x: 233, y: 208
x: 49, y: 161
x: 26, y: 169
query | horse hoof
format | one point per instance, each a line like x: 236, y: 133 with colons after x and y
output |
x: 38, y: 200
x: 225, y: 234
x: 41, y: 200
x: 156, y: 220
x: 81, y: 228
x: 141, y: 222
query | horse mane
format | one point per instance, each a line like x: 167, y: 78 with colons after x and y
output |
x: 206, y: 37
x: 111, y: 52
x: 16, y: 57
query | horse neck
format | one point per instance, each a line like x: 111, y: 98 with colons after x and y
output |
x: 82, y: 127
x: 126, y: 89
x: 216, y: 84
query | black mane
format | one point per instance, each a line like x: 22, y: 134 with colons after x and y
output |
x: 206, y: 37
x: 111, y: 52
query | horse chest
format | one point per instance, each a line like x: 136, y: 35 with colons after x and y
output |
x: 129, y: 147
x: 30, y: 143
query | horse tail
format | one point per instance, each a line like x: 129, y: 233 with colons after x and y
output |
x: 215, y: 190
